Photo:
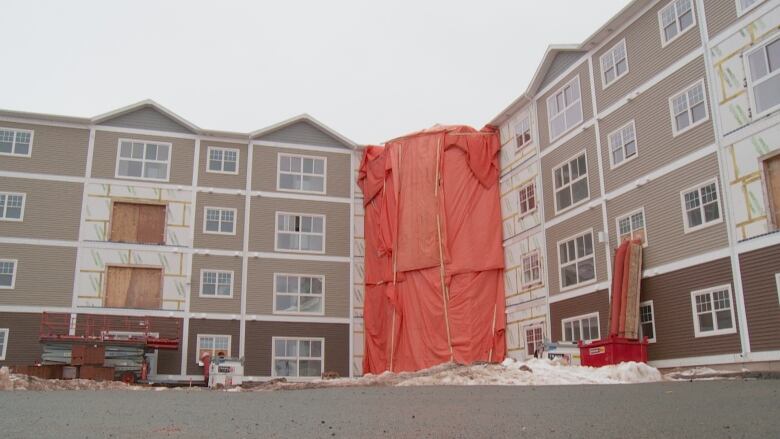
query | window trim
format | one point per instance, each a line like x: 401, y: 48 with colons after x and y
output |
x: 750, y: 84
x: 604, y: 84
x: 324, y: 233
x: 302, y: 156
x: 524, y: 187
x: 652, y: 310
x: 561, y: 288
x: 686, y: 228
x: 523, y: 282
x: 300, y: 313
x: 223, y: 149
x: 299, y: 377
x: 235, y: 220
x: 197, y: 345
x: 5, y: 334
x: 777, y: 282
x: 684, y: 90
x: 741, y: 12
x: 216, y: 296
x: 579, y: 319
x: 629, y: 214
x: 555, y: 190
x: 29, y: 151
x: 680, y: 33
x: 145, y: 142
x: 547, y: 108
x: 525, y: 115
x: 696, y: 331
x: 612, y: 164
x: 13, y: 275
x: 5, y: 206
x: 531, y: 327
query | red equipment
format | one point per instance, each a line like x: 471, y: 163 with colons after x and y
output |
x: 613, y: 350
x: 106, y: 330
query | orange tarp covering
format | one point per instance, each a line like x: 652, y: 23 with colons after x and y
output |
x: 434, y: 259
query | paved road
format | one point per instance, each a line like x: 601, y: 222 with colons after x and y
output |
x: 711, y: 409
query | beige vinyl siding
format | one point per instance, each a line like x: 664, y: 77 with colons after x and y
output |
x: 589, y: 303
x: 214, y: 327
x: 219, y: 241
x: 215, y: 304
x: 44, y: 275
x: 263, y: 222
x: 219, y: 180
x: 720, y: 15
x: 105, y: 155
x: 664, y: 223
x: 55, y: 150
x: 762, y: 305
x: 646, y: 57
x: 590, y: 219
x: 265, y: 169
x: 584, y: 141
x: 656, y: 144
x: 260, y: 283
x: 587, y: 106
x: 52, y: 209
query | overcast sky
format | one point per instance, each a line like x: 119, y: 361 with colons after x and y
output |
x: 370, y: 70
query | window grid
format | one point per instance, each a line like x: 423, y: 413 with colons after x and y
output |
x: 564, y: 108
x: 688, y: 108
x: 674, y: 19
x: 298, y: 357
x: 647, y: 321
x: 576, y: 260
x: 534, y: 338
x: 632, y: 226
x: 571, y: 183
x: 532, y: 272
x: 522, y: 133
x: 763, y: 67
x: 214, y: 344
x: 713, y: 311
x: 16, y: 142
x: 11, y: 206
x: 622, y: 144
x: 3, y: 342
x: 216, y: 283
x: 223, y: 160
x: 585, y: 328
x: 743, y: 6
x: 298, y: 293
x: 143, y: 160
x: 701, y: 206
x: 614, y: 64
x: 300, y: 233
x: 220, y: 221
x: 7, y: 273
x: 527, y: 196
x: 301, y: 173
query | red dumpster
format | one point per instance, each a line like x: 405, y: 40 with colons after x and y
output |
x: 613, y: 350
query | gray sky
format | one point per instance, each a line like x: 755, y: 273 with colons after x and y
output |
x: 371, y: 70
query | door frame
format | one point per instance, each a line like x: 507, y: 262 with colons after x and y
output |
x: 768, y: 202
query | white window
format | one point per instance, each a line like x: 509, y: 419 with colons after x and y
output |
x: 16, y: 142
x: 674, y: 19
x: 300, y: 232
x: 647, y: 321
x: 298, y: 357
x: 701, y: 206
x: 532, y: 271
x: 534, y: 339
x: 564, y: 109
x: 11, y: 206
x: 614, y: 64
x: 763, y: 66
x: 301, y: 173
x: 577, y: 260
x: 585, y: 328
x: 743, y: 6
x: 3, y: 342
x: 7, y: 273
x: 523, y: 133
x: 713, y: 311
x: 632, y: 226
x: 688, y: 108
x: 527, y: 195
x: 570, y: 181
x: 222, y: 160
x: 298, y: 293
x: 216, y: 344
x: 622, y: 144
x: 216, y: 283
x: 143, y: 159
x: 219, y: 220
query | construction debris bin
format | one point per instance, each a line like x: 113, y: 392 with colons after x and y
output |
x: 613, y: 350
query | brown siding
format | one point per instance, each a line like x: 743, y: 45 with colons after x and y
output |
x: 590, y: 219
x: 52, y: 209
x: 44, y: 275
x: 589, y: 303
x: 720, y: 15
x: 219, y: 241
x: 264, y: 169
x: 214, y: 179
x: 24, y: 346
x: 587, y: 103
x: 656, y: 144
x: 216, y: 327
x: 664, y: 223
x: 55, y: 150
x: 762, y: 305
x: 263, y: 215
x: 214, y: 304
x: 646, y: 57
x: 260, y: 281
x: 671, y: 296
x: 259, y: 336
x: 105, y: 155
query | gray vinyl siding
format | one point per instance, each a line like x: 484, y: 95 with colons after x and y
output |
x: 55, y: 150
x: 263, y: 223
x: 265, y: 170
x: 646, y: 57
x: 664, y: 223
x: 656, y: 144
x: 52, y: 209
x: 559, y: 64
x: 589, y: 303
x: 303, y: 133
x: 218, y: 180
x: 762, y: 305
x: 147, y: 119
x: 214, y: 327
x: 219, y: 241
x: 260, y: 283
x: 105, y: 156
x: 590, y: 219
x: 215, y: 304
x: 541, y: 106
x: 720, y: 15
x: 44, y: 275
x: 24, y: 346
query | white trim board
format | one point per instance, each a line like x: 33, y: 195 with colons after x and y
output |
x: 300, y: 147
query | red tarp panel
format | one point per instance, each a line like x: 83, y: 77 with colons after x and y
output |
x: 433, y: 250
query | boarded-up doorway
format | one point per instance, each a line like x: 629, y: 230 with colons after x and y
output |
x: 772, y: 180
x: 138, y: 223
x: 133, y: 287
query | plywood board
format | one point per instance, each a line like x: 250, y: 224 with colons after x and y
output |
x: 124, y: 222
x: 151, y: 224
x: 117, y: 285
x: 145, y: 288
x: 773, y: 187
x: 634, y: 279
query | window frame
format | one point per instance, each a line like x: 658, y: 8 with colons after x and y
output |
x: 299, y: 294
x: 198, y: 348
x: 612, y: 164
x: 524, y: 189
x: 755, y: 114
x: 298, y: 357
x: 604, y: 83
x: 4, y: 208
x: 143, y: 160
x: 4, y: 336
x: 562, y: 288
x: 301, y: 156
x: 223, y: 149
x: 220, y: 209
x: 571, y: 182
x: 216, y: 286
x: 629, y: 215
x: 13, y: 146
x: 13, y: 275
x: 578, y: 100
x: 532, y: 327
x: 686, y: 227
x: 579, y: 319
x: 524, y: 283
x: 684, y: 91
x: 697, y: 332
x: 526, y: 116
x: 777, y: 283
x: 680, y: 32
x: 652, y: 320
x: 324, y: 233
x: 741, y: 11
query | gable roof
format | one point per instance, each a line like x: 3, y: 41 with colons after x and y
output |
x: 146, y: 109
x: 304, y: 119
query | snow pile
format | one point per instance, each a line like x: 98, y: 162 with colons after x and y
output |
x: 701, y: 374
x: 12, y: 381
